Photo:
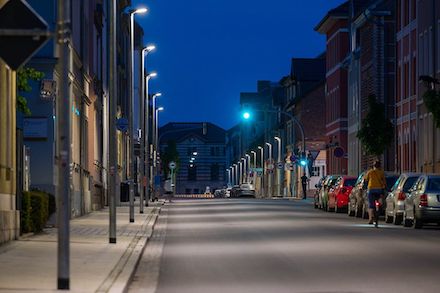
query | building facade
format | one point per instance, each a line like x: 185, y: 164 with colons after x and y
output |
x: 202, y: 156
x: 428, y: 56
x: 335, y: 26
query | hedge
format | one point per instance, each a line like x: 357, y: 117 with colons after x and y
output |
x: 36, y: 209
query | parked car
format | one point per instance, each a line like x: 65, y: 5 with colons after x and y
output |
x: 390, y: 179
x: 235, y: 191
x: 355, y: 198
x: 318, y: 187
x: 329, y: 182
x: 422, y: 205
x: 338, y: 195
x: 246, y: 189
x: 395, y: 201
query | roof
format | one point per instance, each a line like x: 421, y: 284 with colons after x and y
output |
x: 180, y: 131
x: 340, y: 12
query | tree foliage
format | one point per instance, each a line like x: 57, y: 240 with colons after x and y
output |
x: 170, y: 155
x: 376, y: 133
x: 24, y: 75
x: 432, y: 102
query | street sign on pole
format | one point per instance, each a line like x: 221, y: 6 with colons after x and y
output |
x: 289, y: 167
x: 122, y: 124
x: 172, y: 165
x: 22, y: 33
x: 280, y: 165
x: 338, y: 152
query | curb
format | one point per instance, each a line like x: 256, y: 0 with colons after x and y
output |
x: 120, y: 277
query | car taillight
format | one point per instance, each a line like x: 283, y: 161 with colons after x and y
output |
x: 423, y: 200
x: 401, y: 196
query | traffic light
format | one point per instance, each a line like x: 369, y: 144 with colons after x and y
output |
x: 303, y: 161
x: 246, y: 115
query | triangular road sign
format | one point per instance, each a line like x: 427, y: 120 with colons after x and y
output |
x: 22, y: 33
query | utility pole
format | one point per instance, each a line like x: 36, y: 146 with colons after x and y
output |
x: 113, y: 162
x: 63, y: 115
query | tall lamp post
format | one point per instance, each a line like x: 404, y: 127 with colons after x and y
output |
x: 156, y: 138
x: 130, y: 110
x: 278, y: 140
x: 235, y: 166
x: 254, y: 153
x: 147, y: 137
x: 143, y: 116
x: 262, y: 167
x: 240, y: 172
x: 269, y: 179
x: 244, y: 160
x: 153, y: 138
x: 248, y: 164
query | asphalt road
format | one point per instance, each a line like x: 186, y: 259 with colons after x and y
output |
x: 283, y: 246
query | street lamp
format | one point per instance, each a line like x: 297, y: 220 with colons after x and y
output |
x: 240, y: 171
x: 262, y: 167
x: 269, y: 181
x: 278, y: 140
x: 130, y: 110
x: 254, y: 153
x: 244, y: 169
x: 235, y: 174
x: 248, y: 163
x: 144, y: 121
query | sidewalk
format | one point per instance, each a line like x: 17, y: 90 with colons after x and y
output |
x: 30, y: 264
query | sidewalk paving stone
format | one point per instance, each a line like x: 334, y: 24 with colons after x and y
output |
x: 30, y: 264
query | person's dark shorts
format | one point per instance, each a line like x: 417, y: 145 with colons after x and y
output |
x: 373, y: 195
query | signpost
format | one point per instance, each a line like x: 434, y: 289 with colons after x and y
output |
x: 122, y: 124
x: 280, y: 165
x: 338, y: 152
x: 22, y: 33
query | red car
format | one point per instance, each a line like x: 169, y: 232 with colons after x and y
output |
x: 338, y: 195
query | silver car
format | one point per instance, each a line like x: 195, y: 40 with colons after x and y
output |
x: 422, y: 205
x: 246, y: 189
x: 395, y: 201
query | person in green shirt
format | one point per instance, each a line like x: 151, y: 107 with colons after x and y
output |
x: 376, y: 186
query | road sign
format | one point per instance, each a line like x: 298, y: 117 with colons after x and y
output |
x: 172, y: 165
x: 122, y: 124
x: 314, y: 154
x: 22, y: 33
x: 289, y: 166
x: 260, y: 173
x: 293, y: 158
x: 280, y: 165
x: 270, y: 166
x: 338, y: 152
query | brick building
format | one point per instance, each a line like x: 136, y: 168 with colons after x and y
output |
x: 406, y: 85
x: 335, y: 26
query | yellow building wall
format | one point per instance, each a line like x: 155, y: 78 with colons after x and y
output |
x: 9, y: 216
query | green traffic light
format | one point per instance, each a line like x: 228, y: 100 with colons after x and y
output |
x: 246, y: 115
x: 303, y: 162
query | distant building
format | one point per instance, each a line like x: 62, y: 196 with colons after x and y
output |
x: 202, y: 155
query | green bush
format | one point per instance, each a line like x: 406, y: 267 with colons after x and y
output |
x: 35, y: 211
x: 25, y: 214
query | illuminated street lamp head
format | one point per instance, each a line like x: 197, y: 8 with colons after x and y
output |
x: 150, y: 48
x: 152, y: 74
x: 140, y: 10
x: 246, y: 115
x: 253, y: 152
x: 268, y: 144
x: 157, y: 95
x: 160, y: 109
x: 277, y: 138
x: 260, y: 147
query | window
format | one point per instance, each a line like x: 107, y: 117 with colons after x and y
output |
x: 316, y: 171
x: 192, y: 172
x: 215, y: 172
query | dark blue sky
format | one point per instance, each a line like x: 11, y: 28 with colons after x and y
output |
x: 208, y: 51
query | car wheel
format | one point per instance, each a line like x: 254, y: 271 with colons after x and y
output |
x: 350, y: 211
x: 406, y: 222
x: 364, y: 212
x: 418, y: 223
x: 388, y: 219
x: 397, y: 219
